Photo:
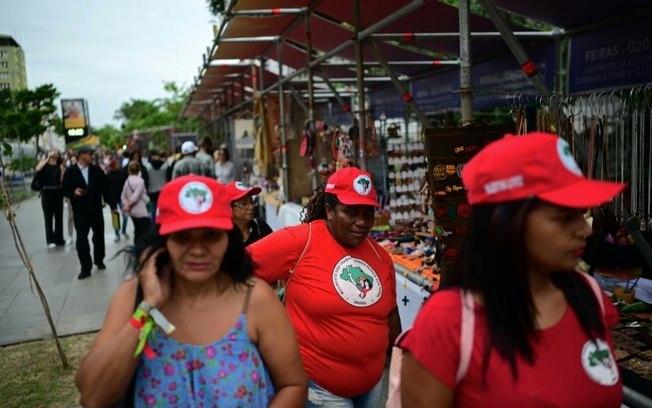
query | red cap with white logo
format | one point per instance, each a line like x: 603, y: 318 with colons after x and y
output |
x: 237, y: 190
x: 352, y: 186
x: 193, y: 202
x: 533, y: 165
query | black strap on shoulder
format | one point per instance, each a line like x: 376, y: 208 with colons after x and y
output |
x: 250, y: 285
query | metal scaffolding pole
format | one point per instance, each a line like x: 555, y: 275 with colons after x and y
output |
x: 281, y: 123
x: 298, y: 98
x: 362, y: 113
x: 466, y: 93
x: 478, y: 35
x: 311, y: 96
x: 407, y: 97
x: 345, y: 106
x: 408, y: 8
x: 528, y: 67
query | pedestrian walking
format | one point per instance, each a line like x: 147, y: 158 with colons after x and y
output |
x: 340, y: 293
x: 86, y: 186
x: 514, y: 316
x: 206, y: 333
x: 50, y: 173
x: 224, y: 167
x: 134, y: 200
x: 157, y: 168
x: 189, y: 164
x: 250, y: 228
x: 116, y: 179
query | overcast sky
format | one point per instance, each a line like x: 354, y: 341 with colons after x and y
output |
x: 109, y: 51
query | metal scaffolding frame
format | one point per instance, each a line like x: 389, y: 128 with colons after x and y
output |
x: 362, y: 38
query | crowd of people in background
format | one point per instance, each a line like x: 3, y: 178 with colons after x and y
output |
x: 130, y: 184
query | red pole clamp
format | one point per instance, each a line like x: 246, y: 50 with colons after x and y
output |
x: 436, y: 63
x: 407, y: 97
x: 276, y: 11
x: 408, y: 37
x: 529, y: 68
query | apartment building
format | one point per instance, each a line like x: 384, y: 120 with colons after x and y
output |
x: 13, y: 74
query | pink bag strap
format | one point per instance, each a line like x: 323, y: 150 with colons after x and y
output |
x: 595, y: 287
x: 305, y: 248
x: 466, y: 334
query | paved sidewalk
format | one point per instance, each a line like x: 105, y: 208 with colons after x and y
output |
x: 76, y: 306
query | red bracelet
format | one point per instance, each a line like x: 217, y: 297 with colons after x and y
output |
x: 136, y: 323
x: 138, y: 318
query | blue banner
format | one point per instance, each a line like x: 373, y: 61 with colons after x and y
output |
x: 437, y: 92
x: 503, y: 74
x: 388, y: 101
x: 612, y: 57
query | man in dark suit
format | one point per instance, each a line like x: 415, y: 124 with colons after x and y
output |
x: 85, y: 184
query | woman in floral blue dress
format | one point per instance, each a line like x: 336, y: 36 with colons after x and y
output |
x: 206, y: 333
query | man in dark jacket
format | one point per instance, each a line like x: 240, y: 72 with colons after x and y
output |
x: 85, y: 184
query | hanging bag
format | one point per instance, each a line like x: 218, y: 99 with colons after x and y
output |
x: 36, y: 182
x: 284, y: 284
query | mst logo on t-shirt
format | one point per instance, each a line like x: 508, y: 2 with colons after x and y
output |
x: 599, y: 363
x: 356, y: 282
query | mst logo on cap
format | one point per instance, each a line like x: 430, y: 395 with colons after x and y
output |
x: 362, y: 185
x: 193, y: 202
x: 241, y: 186
x: 352, y: 186
x: 195, y: 197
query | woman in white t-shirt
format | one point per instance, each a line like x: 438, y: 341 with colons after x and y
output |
x: 224, y: 167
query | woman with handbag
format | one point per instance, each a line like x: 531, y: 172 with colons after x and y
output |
x: 206, y: 332
x: 340, y: 293
x: 541, y: 329
x: 49, y: 174
x: 134, y: 200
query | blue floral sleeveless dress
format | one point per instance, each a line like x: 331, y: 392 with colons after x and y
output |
x: 226, y: 373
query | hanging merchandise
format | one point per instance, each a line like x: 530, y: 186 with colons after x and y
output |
x: 307, y: 146
x: 393, y: 131
x: 372, y: 147
x: 344, y: 152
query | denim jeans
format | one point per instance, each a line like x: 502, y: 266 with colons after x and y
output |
x: 125, y: 218
x: 320, y: 398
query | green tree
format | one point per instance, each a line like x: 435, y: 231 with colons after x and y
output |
x: 110, y: 136
x: 152, y: 116
x: 26, y: 113
x: 215, y: 6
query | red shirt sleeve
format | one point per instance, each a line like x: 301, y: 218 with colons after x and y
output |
x: 434, y: 340
x: 278, y: 252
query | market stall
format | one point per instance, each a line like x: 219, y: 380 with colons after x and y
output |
x: 383, y: 68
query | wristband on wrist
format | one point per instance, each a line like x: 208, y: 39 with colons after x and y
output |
x: 139, y: 318
x: 144, y: 319
x: 144, y: 306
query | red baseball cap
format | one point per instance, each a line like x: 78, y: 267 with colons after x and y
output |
x: 352, y: 186
x: 238, y: 189
x: 533, y: 165
x: 193, y: 202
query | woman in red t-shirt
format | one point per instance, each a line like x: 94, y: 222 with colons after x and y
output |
x: 541, y: 336
x: 341, y: 295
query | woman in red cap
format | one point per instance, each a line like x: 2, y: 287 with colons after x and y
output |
x: 340, y: 291
x: 514, y: 325
x: 204, y: 331
x: 242, y: 203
